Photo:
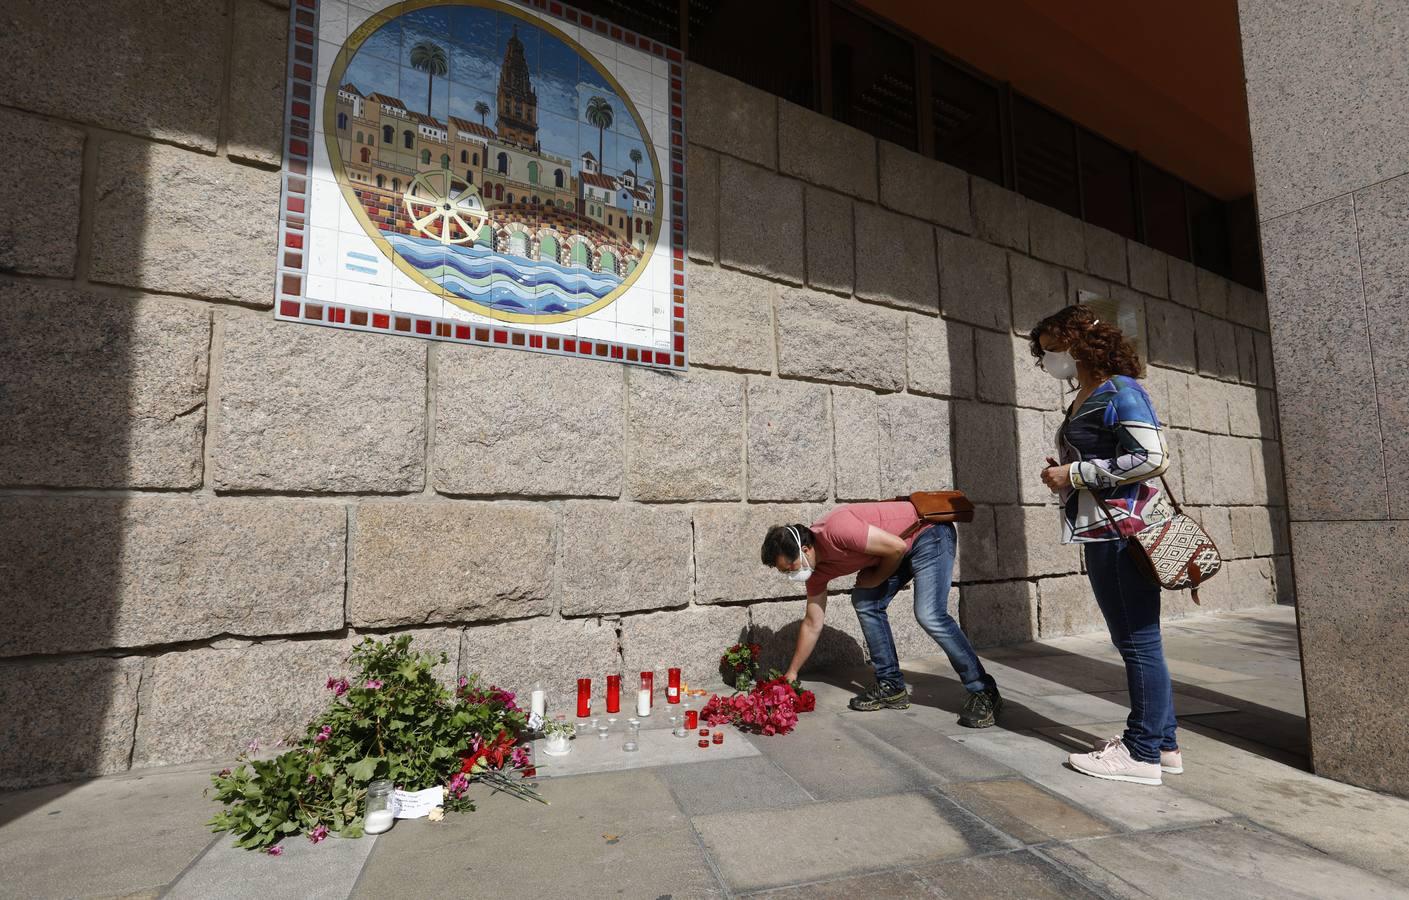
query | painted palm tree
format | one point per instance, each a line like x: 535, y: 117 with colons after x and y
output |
x: 483, y: 109
x: 635, y: 162
x: 430, y: 58
x: 599, y: 113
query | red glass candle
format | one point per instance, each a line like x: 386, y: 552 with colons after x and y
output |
x: 704, y: 742
x: 719, y: 737
x: 584, y: 697
x: 613, y: 693
x: 692, y: 719
x: 704, y: 732
x: 672, y: 689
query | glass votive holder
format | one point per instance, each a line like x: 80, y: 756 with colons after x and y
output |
x: 633, y: 738
x: 704, y: 743
x: 602, y: 732
x: 719, y: 737
x: 704, y: 732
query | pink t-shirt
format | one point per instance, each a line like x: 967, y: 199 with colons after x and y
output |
x: 840, y: 538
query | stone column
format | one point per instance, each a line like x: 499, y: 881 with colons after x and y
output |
x: 1326, y: 85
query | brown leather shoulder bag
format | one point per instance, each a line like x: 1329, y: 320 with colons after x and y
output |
x: 938, y: 506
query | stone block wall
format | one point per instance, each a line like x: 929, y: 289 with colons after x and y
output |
x: 204, y: 509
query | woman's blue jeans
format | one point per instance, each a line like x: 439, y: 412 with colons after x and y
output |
x: 930, y: 564
x: 1130, y: 602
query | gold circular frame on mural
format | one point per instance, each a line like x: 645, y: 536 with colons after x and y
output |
x: 444, y: 206
x: 358, y: 36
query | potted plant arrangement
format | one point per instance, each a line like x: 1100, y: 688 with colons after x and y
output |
x: 557, y: 735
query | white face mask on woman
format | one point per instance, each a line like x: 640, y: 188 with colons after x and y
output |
x: 1059, y: 364
x: 804, y: 569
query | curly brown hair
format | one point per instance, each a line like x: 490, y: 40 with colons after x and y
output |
x: 1098, y: 345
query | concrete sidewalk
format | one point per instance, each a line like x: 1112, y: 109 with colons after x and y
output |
x: 892, y: 803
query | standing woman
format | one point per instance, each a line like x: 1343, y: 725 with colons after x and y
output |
x: 1111, y: 446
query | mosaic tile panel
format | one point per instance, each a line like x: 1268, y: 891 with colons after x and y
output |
x: 503, y: 174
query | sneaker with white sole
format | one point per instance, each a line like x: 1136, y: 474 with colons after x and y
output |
x: 1112, y: 761
x: 1171, y: 761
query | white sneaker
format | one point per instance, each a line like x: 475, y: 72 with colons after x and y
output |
x: 1171, y: 761
x: 1114, y: 762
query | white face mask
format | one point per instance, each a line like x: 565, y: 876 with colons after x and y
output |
x: 804, y: 570
x: 1059, y: 364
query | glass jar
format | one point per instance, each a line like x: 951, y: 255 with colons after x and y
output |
x: 633, y: 737
x: 379, y: 815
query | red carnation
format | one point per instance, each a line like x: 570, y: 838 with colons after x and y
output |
x: 806, y: 701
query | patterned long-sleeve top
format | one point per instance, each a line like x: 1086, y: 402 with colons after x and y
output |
x: 1112, y: 444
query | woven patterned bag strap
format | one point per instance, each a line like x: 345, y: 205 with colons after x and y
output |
x: 1178, y: 510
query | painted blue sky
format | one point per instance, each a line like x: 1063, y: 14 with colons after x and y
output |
x: 474, y: 40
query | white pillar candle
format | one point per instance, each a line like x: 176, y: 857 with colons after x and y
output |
x: 377, y: 821
x: 643, y: 702
x: 538, y: 703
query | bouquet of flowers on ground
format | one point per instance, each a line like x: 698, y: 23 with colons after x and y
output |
x: 739, y: 664
x: 770, y: 707
x: 394, y: 720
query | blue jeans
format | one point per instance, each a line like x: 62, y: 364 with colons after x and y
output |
x: 930, y: 563
x: 1130, y: 603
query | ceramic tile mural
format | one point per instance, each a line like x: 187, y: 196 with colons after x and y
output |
x: 494, y: 173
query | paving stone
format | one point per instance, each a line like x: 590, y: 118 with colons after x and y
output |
x: 547, y: 651
x: 256, y: 109
x: 137, y: 832
x: 685, y: 436
x: 925, y: 188
x: 940, y: 357
x: 159, y: 99
x: 119, y: 402
x: 1220, y: 860
x: 68, y: 718
x: 1000, y: 215
x: 314, y: 409
x: 895, y: 260
x: 1171, y: 335
x: 657, y: 748
x: 1039, y: 289
x: 974, y: 281
x: 327, y: 870
x: 1025, y: 811
x: 41, y: 239
x: 1056, y: 236
x: 761, y: 238
x: 702, y: 188
x: 1005, y: 876
x: 1000, y: 613
x: 789, y: 441
x: 1183, y: 283
x: 624, y: 819
x: 489, y: 440
x: 901, y: 884
x: 840, y: 340
x: 944, y: 760
x: 623, y: 557
x: 727, y: 541
x: 488, y: 561
x: 1008, y: 374
x: 731, y: 319
x: 90, y: 573
x: 831, y: 241
x: 145, y: 236
x: 841, y: 645
x: 690, y: 639
x: 1105, y: 255
x: 1041, y: 759
x: 837, y: 838
x: 731, y: 117
x: 1149, y: 269
x: 826, y: 152
x: 735, y: 785
x: 985, y: 452
x: 889, y: 446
